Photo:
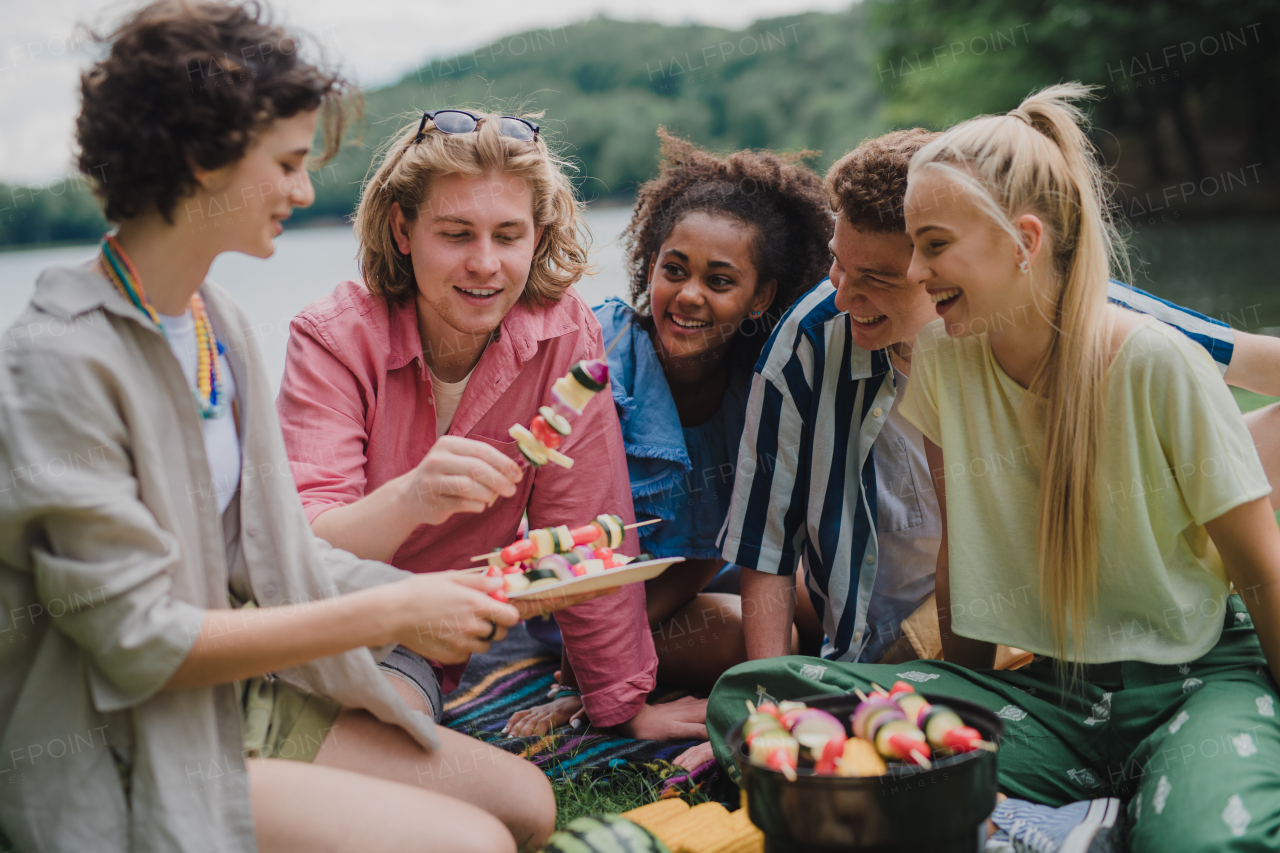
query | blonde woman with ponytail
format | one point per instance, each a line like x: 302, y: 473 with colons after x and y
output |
x: 1103, y: 507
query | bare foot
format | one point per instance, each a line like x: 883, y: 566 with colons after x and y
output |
x: 686, y: 717
x: 541, y: 719
x: 694, y: 757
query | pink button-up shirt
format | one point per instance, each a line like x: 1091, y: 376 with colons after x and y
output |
x: 357, y: 410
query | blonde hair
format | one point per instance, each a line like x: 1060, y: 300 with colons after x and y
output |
x: 403, y: 170
x: 1038, y: 159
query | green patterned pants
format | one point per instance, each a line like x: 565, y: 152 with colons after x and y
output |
x: 1194, y: 749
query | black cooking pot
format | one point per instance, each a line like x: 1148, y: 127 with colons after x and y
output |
x: 941, y: 810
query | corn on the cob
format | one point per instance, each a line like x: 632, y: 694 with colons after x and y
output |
x: 704, y: 828
x: 701, y: 829
x: 654, y: 816
x: 733, y: 833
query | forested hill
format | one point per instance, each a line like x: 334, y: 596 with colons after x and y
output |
x: 604, y: 86
x: 1190, y: 95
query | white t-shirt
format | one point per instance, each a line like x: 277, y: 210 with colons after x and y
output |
x: 221, y: 442
x: 908, y: 526
x: 447, y: 395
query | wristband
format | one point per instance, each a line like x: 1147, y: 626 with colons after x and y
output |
x: 565, y: 691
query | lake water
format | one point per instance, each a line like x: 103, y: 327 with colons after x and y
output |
x: 308, y: 263
x: 1225, y: 270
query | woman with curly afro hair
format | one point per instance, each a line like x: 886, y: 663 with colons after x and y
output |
x: 719, y: 248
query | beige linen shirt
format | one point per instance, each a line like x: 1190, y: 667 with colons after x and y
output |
x: 111, y: 551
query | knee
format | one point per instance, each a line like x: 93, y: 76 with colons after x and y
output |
x: 530, y: 814
x: 484, y: 834
x: 1194, y: 831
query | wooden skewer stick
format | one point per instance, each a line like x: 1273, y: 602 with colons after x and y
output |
x: 624, y: 527
x: 921, y: 760
x: 860, y: 694
x: 879, y: 690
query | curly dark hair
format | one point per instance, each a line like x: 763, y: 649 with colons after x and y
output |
x: 868, y: 185
x: 189, y: 83
x: 776, y: 195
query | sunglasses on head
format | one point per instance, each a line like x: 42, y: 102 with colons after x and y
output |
x: 461, y: 121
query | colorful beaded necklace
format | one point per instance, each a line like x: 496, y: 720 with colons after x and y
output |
x: 209, y: 396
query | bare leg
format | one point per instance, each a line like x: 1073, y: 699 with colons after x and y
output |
x: 312, y: 809
x: 701, y: 640
x: 900, y: 652
x: 484, y: 777
x: 1264, y: 425
x: 408, y: 693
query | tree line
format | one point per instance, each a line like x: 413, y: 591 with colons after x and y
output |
x: 1188, y: 114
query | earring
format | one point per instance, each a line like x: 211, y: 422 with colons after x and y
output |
x: 1022, y: 266
x: 755, y: 313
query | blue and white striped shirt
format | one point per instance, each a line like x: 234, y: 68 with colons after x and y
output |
x: 806, y: 479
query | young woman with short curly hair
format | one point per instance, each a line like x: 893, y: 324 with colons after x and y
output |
x: 196, y: 668
x: 719, y: 248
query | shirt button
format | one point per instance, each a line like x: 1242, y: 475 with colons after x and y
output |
x: 877, y: 412
x: 270, y: 590
x: 870, y: 559
x: 857, y: 636
x: 254, y: 530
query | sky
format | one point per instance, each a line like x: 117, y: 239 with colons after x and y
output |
x: 377, y: 41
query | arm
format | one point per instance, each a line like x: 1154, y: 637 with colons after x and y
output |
x: 768, y: 608
x: 1264, y: 426
x: 973, y: 654
x: 608, y: 640
x: 89, y: 539
x: 322, y: 414
x: 1255, y: 364
x: 1249, y: 542
x: 670, y: 591
x: 457, y: 475
x: 441, y: 616
x: 764, y: 536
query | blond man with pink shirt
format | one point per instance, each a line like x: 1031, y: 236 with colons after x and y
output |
x: 399, y: 390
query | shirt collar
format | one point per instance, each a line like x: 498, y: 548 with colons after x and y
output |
x: 864, y: 364
x: 523, y: 327
x: 70, y: 291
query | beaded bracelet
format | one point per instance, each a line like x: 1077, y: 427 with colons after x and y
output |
x: 565, y: 691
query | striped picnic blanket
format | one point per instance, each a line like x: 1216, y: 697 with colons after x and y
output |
x: 517, y: 673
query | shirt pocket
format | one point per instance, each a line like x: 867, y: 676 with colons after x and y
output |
x: 898, y: 504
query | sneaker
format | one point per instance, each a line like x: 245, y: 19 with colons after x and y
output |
x: 1089, y: 826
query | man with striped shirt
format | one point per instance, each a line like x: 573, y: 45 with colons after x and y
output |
x: 829, y: 473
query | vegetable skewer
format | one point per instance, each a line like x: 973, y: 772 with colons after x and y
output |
x: 942, y: 726
x: 569, y: 396
x: 573, y: 534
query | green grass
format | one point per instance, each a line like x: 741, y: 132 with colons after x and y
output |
x: 614, y: 790
x: 1248, y: 401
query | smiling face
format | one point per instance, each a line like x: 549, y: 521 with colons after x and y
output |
x: 472, y: 247
x: 869, y: 272
x: 248, y: 200
x: 703, y: 285
x: 965, y: 261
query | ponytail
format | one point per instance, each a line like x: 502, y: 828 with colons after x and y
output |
x: 1038, y: 159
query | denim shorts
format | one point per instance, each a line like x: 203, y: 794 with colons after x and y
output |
x: 418, y: 672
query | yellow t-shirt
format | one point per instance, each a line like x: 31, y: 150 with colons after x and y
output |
x: 1175, y: 454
